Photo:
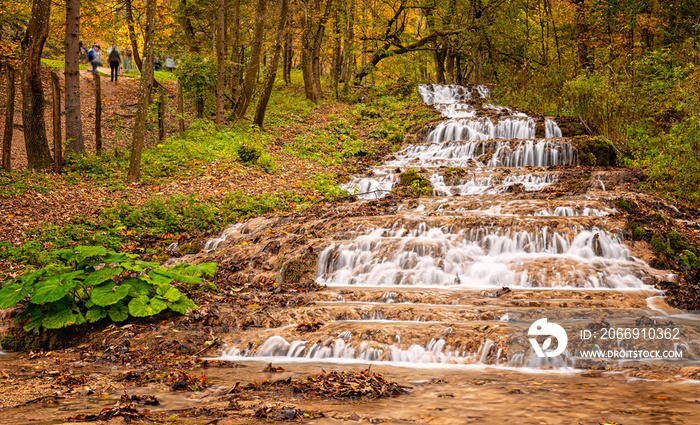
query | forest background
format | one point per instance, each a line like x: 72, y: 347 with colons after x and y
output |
x: 624, y: 70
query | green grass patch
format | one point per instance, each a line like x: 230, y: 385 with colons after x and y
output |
x: 160, y: 76
x: 151, y: 225
x: 59, y: 64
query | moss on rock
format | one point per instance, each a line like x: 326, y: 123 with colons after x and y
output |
x: 657, y: 217
x: 571, y: 129
x: 415, y: 183
x: 636, y: 230
x: 689, y: 260
x: 660, y: 244
x: 596, y: 151
x: 624, y: 205
x: 679, y: 242
x: 660, y: 262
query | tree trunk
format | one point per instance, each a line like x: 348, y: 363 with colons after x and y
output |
x: 311, y: 42
x: 74, y: 123
x: 9, y: 120
x: 318, y: 43
x: 57, y: 142
x: 132, y: 35
x: 582, y: 34
x: 180, y: 109
x: 145, y: 86
x: 349, y: 55
x: 272, y: 69
x: 187, y: 27
x: 98, y: 114
x: 307, y: 69
x: 254, y: 61
x: 288, y: 53
x: 37, y: 145
x: 161, y: 115
x: 235, y: 55
x: 220, y: 61
x: 336, y: 61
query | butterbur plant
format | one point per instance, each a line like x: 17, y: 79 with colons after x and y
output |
x: 87, y: 283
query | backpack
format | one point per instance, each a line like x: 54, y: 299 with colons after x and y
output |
x: 91, y: 55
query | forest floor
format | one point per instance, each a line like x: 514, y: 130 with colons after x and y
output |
x: 162, y: 364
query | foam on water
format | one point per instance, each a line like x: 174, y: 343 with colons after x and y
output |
x: 480, y: 258
x: 435, y: 351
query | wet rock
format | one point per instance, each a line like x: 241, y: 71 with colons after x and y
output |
x: 299, y: 270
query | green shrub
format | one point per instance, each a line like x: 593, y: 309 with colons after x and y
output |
x: 85, y: 284
x: 326, y: 184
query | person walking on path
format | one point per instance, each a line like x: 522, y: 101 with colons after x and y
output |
x: 93, y: 56
x: 169, y: 64
x: 114, y: 61
x: 127, y: 59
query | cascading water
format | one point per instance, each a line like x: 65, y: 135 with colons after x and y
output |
x: 478, y: 233
x: 468, y: 140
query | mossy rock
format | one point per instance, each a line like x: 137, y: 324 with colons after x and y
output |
x: 455, y: 170
x: 596, y: 151
x: 539, y: 130
x: 689, y: 260
x: 638, y: 232
x: 11, y: 343
x: 660, y: 244
x: 626, y: 206
x: 571, y: 129
x: 679, y: 242
x: 191, y: 247
x: 54, y: 339
x: 415, y: 182
x: 657, y: 217
x: 661, y: 262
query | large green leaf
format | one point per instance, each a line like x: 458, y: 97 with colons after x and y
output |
x: 138, y: 287
x: 13, y: 293
x: 177, y: 276
x: 113, y: 257
x: 90, y: 251
x: 109, y: 293
x: 118, y: 312
x: 28, y: 279
x: 105, y: 273
x: 95, y: 313
x: 54, y: 288
x: 169, y: 293
x: 182, y: 305
x: 143, y: 306
x: 198, y: 270
x: 158, y: 278
x: 33, y: 316
x: 57, y: 318
x: 56, y: 269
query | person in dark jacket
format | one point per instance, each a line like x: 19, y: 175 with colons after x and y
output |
x: 114, y: 61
